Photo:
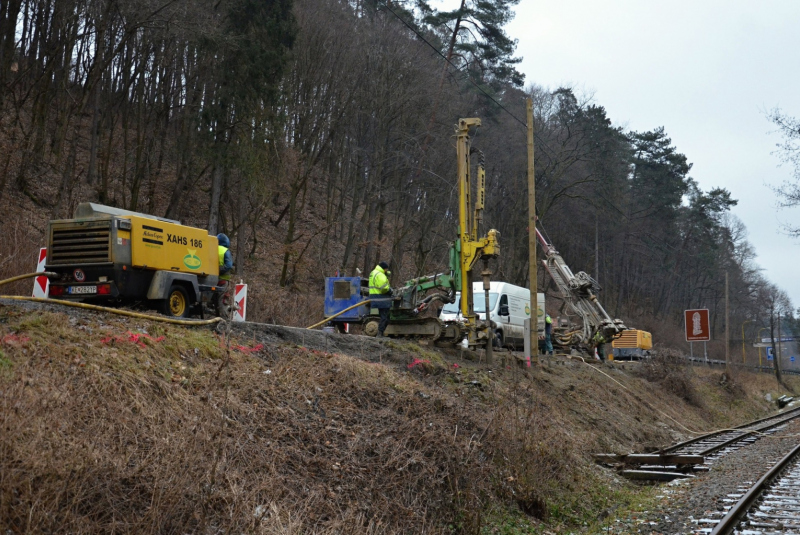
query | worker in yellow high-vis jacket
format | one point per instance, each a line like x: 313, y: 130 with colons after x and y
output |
x: 225, y: 258
x: 548, y: 334
x: 380, y: 293
x: 599, y: 345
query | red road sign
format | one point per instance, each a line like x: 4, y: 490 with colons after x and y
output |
x: 697, y: 325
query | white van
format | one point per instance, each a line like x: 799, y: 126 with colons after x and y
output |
x: 509, y: 307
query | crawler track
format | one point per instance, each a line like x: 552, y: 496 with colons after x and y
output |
x: 769, y: 507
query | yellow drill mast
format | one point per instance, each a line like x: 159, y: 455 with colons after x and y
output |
x: 471, y: 248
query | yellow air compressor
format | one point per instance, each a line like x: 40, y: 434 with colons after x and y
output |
x: 109, y: 255
x: 632, y: 344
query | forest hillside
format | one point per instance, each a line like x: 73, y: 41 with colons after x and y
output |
x: 318, y: 134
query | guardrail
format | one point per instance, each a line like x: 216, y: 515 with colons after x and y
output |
x: 696, y: 361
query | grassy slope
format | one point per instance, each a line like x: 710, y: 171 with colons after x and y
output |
x: 103, y: 432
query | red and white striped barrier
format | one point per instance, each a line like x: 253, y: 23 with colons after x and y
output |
x: 41, y: 284
x: 240, y: 302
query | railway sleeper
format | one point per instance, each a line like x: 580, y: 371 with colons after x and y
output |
x: 778, y: 516
x: 652, y: 475
x: 764, y: 525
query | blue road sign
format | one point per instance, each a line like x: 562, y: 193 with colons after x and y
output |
x: 769, y: 353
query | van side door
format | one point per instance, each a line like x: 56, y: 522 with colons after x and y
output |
x: 515, y: 326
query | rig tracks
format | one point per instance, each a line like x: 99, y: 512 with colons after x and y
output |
x: 770, y: 507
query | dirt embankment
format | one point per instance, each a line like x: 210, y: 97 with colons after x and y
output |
x: 113, y: 425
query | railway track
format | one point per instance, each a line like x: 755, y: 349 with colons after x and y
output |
x: 770, y: 507
x: 714, y: 445
x: 697, y: 454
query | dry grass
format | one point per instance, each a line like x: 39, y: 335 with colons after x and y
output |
x: 525, y: 427
x: 104, y: 431
x: 19, y: 251
x: 283, y: 306
x: 670, y: 371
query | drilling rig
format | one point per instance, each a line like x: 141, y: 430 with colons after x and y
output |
x: 468, y: 253
x: 579, y: 292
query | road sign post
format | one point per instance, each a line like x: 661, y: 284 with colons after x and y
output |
x: 697, y: 328
x: 697, y: 325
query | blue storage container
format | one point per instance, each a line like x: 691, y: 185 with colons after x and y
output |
x: 343, y: 292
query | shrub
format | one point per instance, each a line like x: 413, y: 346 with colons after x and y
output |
x: 671, y: 372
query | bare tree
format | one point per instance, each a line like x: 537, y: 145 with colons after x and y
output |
x: 789, y: 152
x: 777, y: 304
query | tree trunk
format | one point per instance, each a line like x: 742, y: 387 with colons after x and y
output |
x: 775, y: 359
x: 216, y: 192
x: 287, y: 243
x: 91, y: 172
x: 65, y: 192
x: 369, y: 250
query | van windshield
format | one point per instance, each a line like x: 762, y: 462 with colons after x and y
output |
x: 478, y: 302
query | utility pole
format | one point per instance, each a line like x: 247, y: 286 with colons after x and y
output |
x: 744, y: 355
x: 596, y: 248
x: 534, y: 319
x: 778, y: 348
x: 727, y: 329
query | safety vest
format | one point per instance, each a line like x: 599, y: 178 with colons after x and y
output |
x: 222, y: 251
x: 378, y: 282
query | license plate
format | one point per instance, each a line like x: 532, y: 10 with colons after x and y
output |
x: 83, y: 289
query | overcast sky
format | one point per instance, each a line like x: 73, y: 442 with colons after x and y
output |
x: 706, y: 70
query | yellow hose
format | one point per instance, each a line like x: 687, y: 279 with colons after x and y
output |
x: 326, y: 320
x: 28, y: 276
x: 95, y: 307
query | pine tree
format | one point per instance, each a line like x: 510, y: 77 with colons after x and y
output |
x: 474, y: 39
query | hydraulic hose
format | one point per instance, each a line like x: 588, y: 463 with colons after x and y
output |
x: 329, y: 318
x: 87, y: 306
x: 28, y: 276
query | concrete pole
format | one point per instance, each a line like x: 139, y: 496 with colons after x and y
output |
x: 727, y: 328
x: 532, y: 239
x: 779, y: 347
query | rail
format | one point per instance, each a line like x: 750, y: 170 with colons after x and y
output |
x: 697, y: 454
x: 739, y: 511
x: 697, y: 361
x: 780, y: 418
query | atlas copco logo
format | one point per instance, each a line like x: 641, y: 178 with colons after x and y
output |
x: 191, y: 260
